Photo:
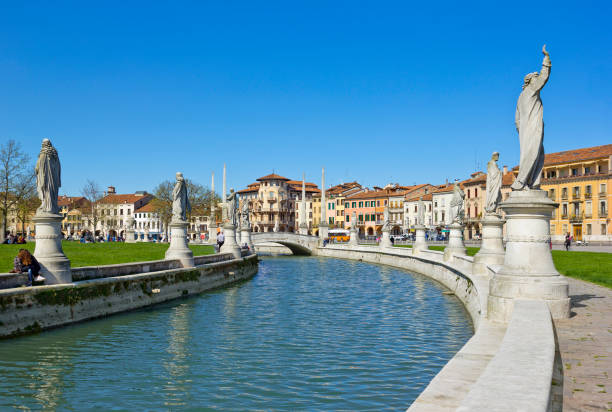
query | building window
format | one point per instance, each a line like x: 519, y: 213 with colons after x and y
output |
x: 588, y: 229
x: 346, y: 205
x: 475, y: 192
x: 587, y: 171
x: 552, y: 229
x: 378, y: 203
x: 348, y: 218
x: 574, y: 172
x: 367, y: 218
x: 603, y: 229
x: 354, y: 204
x: 372, y: 217
x: 361, y: 218
x: 360, y: 204
x: 551, y: 194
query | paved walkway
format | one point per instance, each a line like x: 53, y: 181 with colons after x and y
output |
x: 590, y: 248
x: 585, y: 343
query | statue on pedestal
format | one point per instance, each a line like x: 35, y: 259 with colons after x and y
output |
x: 530, y: 126
x: 354, y: 221
x: 386, y: 224
x: 421, y: 212
x: 456, y: 204
x: 180, y: 200
x: 494, y: 184
x: 48, y: 178
x: 246, y: 224
x: 231, y: 212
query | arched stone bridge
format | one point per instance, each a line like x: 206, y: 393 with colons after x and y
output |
x: 298, y: 244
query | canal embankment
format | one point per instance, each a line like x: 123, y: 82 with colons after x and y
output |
x: 106, y: 290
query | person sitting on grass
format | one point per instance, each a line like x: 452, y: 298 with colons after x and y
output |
x: 25, y: 262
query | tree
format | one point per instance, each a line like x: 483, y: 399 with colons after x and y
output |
x: 92, y: 192
x: 14, y: 167
x: 162, y: 203
x: 26, y: 198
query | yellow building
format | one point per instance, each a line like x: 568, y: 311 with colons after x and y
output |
x: 579, y: 180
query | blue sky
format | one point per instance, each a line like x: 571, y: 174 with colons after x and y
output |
x: 407, y: 92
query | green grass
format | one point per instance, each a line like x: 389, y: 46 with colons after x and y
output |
x: 592, y: 267
x: 95, y: 254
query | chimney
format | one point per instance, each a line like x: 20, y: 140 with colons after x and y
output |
x: 111, y: 190
x: 505, y: 169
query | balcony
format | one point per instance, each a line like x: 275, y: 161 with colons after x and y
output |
x: 563, y: 215
x: 603, y: 194
x: 563, y: 196
x: 576, y: 196
x: 588, y: 215
x: 588, y: 195
x: 576, y: 219
x: 603, y: 212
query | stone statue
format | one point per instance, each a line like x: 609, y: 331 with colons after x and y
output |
x: 530, y: 126
x: 276, y: 226
x: 494, y: 184
x: 230, y: 202
x: 457, y: 203
x: 180, y: 200
x: 245, y: 215
x: 421, y: 212
x: 386, y: 224
x: 354, y: 221
x: 48, y: 178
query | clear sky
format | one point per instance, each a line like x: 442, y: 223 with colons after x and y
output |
x: 378, y: 92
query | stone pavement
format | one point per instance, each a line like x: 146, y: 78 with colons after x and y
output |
x: 585, y: 343
x: 590, y: 248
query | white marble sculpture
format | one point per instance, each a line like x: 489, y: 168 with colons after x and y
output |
x: 354, y: 221
x: 231, y: 211
x: 457, y: 203
x: 530, y: 126
x: 386, y: 224
x: 276, y: 227
x: 48, y: 178
x: 421, y: 212
x: 244, y: 215
x: 494, y: 184
x: 180, y: 199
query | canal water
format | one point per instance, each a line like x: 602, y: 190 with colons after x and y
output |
x: 306, y: 333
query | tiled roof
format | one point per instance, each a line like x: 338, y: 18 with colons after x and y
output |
x: 476, y: 178
x: 415, y: 198
x: 444, y: 189
x: 272, y: 176
x: 508, y: 179
x: 124, y: 199
x: 577, y: 155
x: 299, y: 183
x: 372, y: 194
x: 250, y: 189
x: 70, y: 200
x: 148, y: 208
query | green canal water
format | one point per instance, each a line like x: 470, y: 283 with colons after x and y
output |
x: 306, y: 333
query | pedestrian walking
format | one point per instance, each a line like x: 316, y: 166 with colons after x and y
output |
x: 568, y: 241
x: 220, y: 240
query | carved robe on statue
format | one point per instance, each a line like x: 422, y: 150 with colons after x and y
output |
x: 386, y: 223
x: 457, y: 204
x: 530, y: 126
x: 48, y: 178
x: 494, y: 184
x: 421, y: 213
x: 180, y: 200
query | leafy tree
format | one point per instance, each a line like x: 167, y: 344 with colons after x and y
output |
x: 27, y: 200
x: 14, y: 168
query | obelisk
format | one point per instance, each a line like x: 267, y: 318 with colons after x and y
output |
x: 323, y: 226
x: 212, y: 223
x: 303, y: 228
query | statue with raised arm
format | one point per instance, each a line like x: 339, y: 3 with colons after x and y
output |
x: 421, y: 212
x: 180, y: 200
x: 386, y: 223
x: 230, y: 202
x: 530, y: 126
x: 48, y: 178
x: 456, y: 203
x: 494, y: 184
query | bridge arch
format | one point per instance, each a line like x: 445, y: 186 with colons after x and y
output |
x: 298, y: 244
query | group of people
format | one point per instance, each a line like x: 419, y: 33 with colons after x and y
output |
x: 24, y: 262
x: 14, y: 240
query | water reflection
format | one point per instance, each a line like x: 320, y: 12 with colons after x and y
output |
x: 305, y: 333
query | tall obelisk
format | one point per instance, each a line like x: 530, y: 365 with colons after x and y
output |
x: 323, y: 226
x: 303, y: 224
x: 212, y: 223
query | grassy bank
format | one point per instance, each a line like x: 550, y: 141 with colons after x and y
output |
x: 589, y: 266
x: 95, y: 254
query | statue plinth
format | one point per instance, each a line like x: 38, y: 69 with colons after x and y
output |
x: 385, y: 240
x: 230, y: 245
x: 130, y: 236
x: 212, y: 230
x: 354, y: 239
x: 54, y: 265
x: 420, y: 243
x: 528, y: 271
x: 179, y: 248
x: 492, y: 248
x: 323, y: 231
x: 455, y: 242
x: 245, y: 238
x: 303, y: 229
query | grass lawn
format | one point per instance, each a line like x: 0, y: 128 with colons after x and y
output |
x: 593, y: 267
x: 95, y: 254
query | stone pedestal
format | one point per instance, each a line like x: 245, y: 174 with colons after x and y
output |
x: 323, y: 231
x: 178, y: 244
x: 492, y: 248
x: 54, y: 265
x: 528, y: 271
x: 212, y: 233
x: 455, y: 242
x: 130, y: 236
x: 245, y: 237
x: 230, y: 245
x: 420, y: 243
x: 385, y: 240
x: 354, y: 239
x: 303, y: 229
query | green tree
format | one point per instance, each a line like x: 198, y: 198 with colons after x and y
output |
x: 15, y: 168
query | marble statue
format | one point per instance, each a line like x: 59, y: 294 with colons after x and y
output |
x: 456, y: 203
x: 354, y: 221
x: 530, y: 126
x: 421, y: 212
x: 276, y: 227
x: 180, y: 200
x: 494, y: 184
x: 386, y: 224
x: 48, y: 178
x: 244, y: 214
x: 230, y: 204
